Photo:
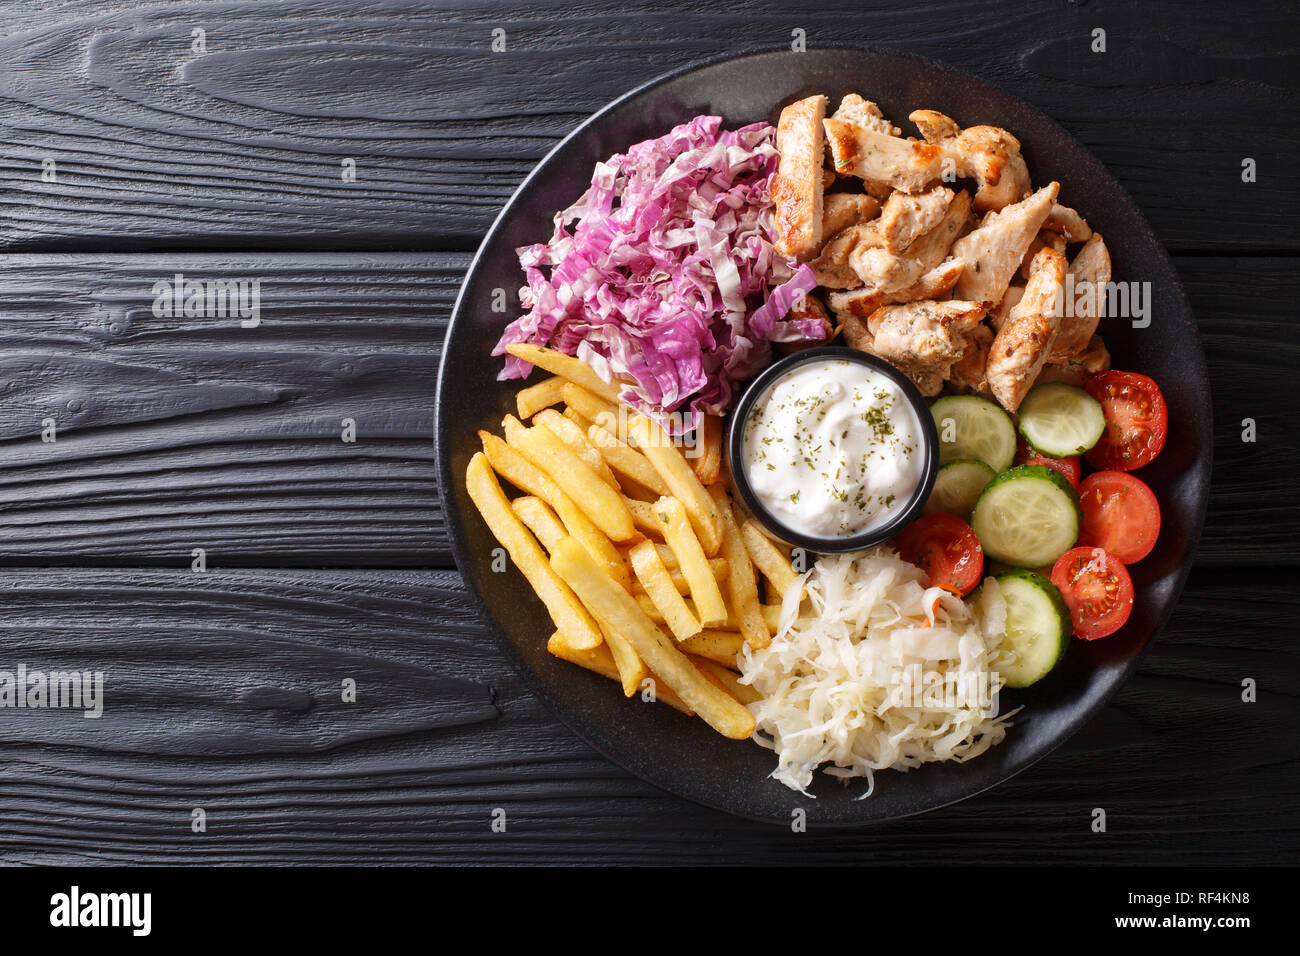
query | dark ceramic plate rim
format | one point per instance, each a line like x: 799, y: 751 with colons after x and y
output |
x: 456, y: 531
x: 863, y: 539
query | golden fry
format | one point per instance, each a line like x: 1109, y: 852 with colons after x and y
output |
x: 511, y: 465
x: 652, y: 574
x: 681, y: 538
x: 592, y: 407
x: 678, y: 580
x: 566, y: 366
x: 626, y: 460
x: 540, y: 519
x: 742, y: 586
x: 646, y: 518
x: 578, y: 443
x: 620, y: 611
x: 716, y: 645
x: 742, y: 692
x: 599, y: 660
x: 708, y: 460
x: 531, y: 400
x: 601, y: 503
x: 679, y: 477
x: 769, y: 559
x: 631, y: 669
x: 568, y: 614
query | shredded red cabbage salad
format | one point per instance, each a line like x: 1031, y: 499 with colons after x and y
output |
x: 667, y: 279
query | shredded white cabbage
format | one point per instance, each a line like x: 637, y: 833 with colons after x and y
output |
x: 873, y: 670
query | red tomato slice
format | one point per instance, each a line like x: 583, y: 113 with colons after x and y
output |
x: 946, y: 549
x: 1069, y: 467
x: 1136, y: 420
x: 1120, y: 515
x: 1097, y: 590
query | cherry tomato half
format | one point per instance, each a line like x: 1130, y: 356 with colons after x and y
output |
x: 946, y: 549
x: 1097, y: 590
x: 1120, y: 515
x: 1136, y: 420
x: 1069, y: 467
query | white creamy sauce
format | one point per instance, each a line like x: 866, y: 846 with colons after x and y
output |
x: 833, y: 449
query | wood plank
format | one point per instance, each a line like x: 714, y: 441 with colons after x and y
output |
x: 194, y: 432
x: 1187, y: 772
x: 242, y: 144
x: 182, y: 433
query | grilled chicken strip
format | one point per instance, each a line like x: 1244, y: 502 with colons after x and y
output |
x: 797, y: 185
x: 928, y: 381
x: 883, y: 271
x: 934, y: 284
x: 905, y: 218
x: 841, y: 210
x: 877, y: 157
x: 1053, y: 240
x: 987, y: 154
x: 1021, y: 347
x: 994, y: 250
x: 831, y: 265
x: 924, y: 335
x: 1066, y: 222
x: 1092, y: 360
x: 970, y: 371
x: 998, y: 317
x: 1086, y: 300
x: 862, y: 112
x: 866, y: 114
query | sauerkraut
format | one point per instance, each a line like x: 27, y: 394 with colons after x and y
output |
x: 873, y: 670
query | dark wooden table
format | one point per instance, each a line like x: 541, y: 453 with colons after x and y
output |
x: 135, y: 147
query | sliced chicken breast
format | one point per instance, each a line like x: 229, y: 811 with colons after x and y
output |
x: 995, y: 249
x: 1085, y: 301
x: 797, y: 186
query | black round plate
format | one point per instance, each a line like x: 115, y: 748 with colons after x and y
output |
x: 681, y: 754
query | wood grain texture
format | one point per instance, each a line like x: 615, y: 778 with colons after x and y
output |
x: 240, y: 145
x: 223, y: 689
x: 1182, y: 766
x: 177, y: 433
x: 182, y: 433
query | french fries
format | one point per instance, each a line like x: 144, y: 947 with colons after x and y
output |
x: 626, y: 460
x: 720, y: 646
x: 708, y: 461
x: 768, y: 558
x: 678, y: 580
x: 616, y: 607
x: 524, y: 475
x: 681, y: 480
x: 600, y: 661
x: 695, y: 568
x: 742, y: 588
x: 529, y: 401
x: 568, y: 615
x: 742, y: 692
x: 574, y: 369
x: 592, y: 407
x: 632, y: 546
x: 660, y: 588
x: 540, y: 519
x: 578, y: 443
x: 601, y: 503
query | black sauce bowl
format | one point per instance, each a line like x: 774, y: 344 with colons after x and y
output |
x: 794, y: 536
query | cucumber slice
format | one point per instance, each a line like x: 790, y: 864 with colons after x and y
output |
x: 974, y: 427
x: 957, y: 487
x: 1060, y: 420
x: 1038, y: 626
x: 1027, y: 517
